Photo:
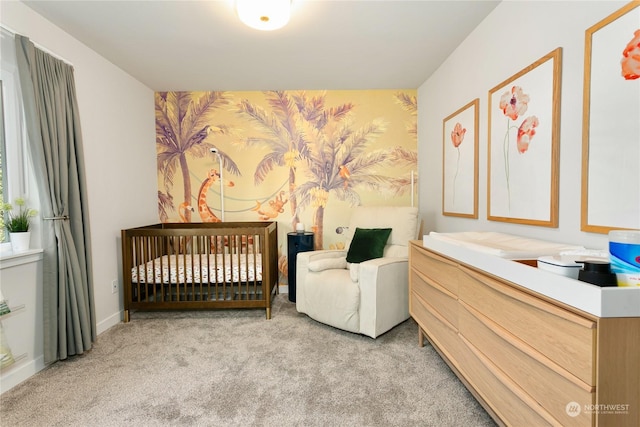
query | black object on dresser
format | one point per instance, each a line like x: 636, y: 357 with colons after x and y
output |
x: 296, y: 242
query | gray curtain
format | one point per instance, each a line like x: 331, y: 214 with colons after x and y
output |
x: 55, y: 146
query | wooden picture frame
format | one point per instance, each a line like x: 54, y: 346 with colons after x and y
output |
x: 523, y: 145
x: 460, y: 162
x: 610, y: 197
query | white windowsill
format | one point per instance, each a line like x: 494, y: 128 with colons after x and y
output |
x: 9, y: 259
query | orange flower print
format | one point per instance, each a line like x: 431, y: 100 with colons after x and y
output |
x: 631, y: 58
x: 457, y: 134
x: 514, y: 103
x: 526, y: 132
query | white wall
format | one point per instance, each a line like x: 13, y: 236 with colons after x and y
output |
x: 21, y: 284
x: 513, y: 36
x: 118, y: 128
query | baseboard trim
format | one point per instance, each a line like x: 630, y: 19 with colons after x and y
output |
x: 20, y: 373
x: 109, y: 322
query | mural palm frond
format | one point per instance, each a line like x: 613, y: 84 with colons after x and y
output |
x: 229, y: 165
x: 313, y: 110
x: 341, y: 112
x: 165, y: 203
x: 402, y: 155
x: 357, y: 142
x: 267, y: 123
x: 412, y: 129
x: 167, y: 165
x: 303, y: 193
x: 165, y: 155
x: 401, y: 185
x: 313, y: 140
x: 197, y: 115
x: 257, y: 141
x: 409, y: 103
x: 283, y: 109
x: 372, y: 159
x: 310, y: 109
x: 165, y: 127
x: 375, y: 182
x: 348, y: 195
x: 177, y: 103
x: 266, y: 165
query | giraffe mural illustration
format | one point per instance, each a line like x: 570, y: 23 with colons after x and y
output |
x: 206, y: 214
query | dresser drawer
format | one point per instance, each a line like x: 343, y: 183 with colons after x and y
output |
x: 437, y: 329
x: 511, y: 405
x: 437, y: 268
x: 438, y: 297
x: 565, y: 338
x: 547, y: 383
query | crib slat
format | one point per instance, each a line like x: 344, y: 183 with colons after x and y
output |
x: 151, y: 283
x: 159, y: 264
x: 197, y: 240
x: 255, y: 265
x: 142, y: 260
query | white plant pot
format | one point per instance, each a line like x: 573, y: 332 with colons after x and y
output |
x: 20, y: 241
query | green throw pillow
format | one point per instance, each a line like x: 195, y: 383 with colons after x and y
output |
x: 368, y: 243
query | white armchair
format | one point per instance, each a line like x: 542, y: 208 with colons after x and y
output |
x: 369, y: 297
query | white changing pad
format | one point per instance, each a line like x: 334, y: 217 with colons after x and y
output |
x: 504, y: 245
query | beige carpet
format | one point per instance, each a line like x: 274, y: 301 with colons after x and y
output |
x: 235, y: 368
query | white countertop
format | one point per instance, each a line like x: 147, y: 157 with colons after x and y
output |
x: 596, y: 300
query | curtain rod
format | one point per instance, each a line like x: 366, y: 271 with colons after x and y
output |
x: 39, y: 46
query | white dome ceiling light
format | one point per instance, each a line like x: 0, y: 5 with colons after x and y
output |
x: 264, y: 15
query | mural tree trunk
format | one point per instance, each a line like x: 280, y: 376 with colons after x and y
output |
x: 293, y: 202
x: 318, y: 228
x: 186, y: 184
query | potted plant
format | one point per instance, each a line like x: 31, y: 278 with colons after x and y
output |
x: 17, y: 224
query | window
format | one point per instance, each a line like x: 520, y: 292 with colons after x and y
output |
x: 17, y: 180
x: 3, y: 166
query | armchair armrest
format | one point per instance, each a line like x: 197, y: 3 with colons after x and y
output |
x: 321, y: 254
x: 303, y: 261
x: 384, y: 294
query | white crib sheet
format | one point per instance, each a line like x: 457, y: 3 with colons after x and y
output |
x: 221, y: 268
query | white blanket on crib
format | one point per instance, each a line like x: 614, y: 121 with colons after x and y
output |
x: 227, y: 268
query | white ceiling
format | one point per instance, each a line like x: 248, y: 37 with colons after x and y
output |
x: 339, y: 44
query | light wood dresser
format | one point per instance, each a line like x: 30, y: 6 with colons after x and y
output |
x: 533, y: 347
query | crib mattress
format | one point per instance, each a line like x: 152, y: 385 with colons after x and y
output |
x: 221, y: 268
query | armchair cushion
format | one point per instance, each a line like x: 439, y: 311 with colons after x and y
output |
x: 327, y: 264
x: 367, y: 243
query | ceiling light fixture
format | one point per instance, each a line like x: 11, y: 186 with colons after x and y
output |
x: 264, y: 15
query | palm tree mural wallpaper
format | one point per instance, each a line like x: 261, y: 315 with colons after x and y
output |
x: 183, y: 121
x: 288, y: 156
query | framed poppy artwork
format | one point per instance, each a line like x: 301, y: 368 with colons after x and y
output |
x: 611, y: 123
x: 460, y: 162
x: 523, y: 145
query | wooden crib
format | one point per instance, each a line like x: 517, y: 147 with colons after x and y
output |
x: 175, y: 266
